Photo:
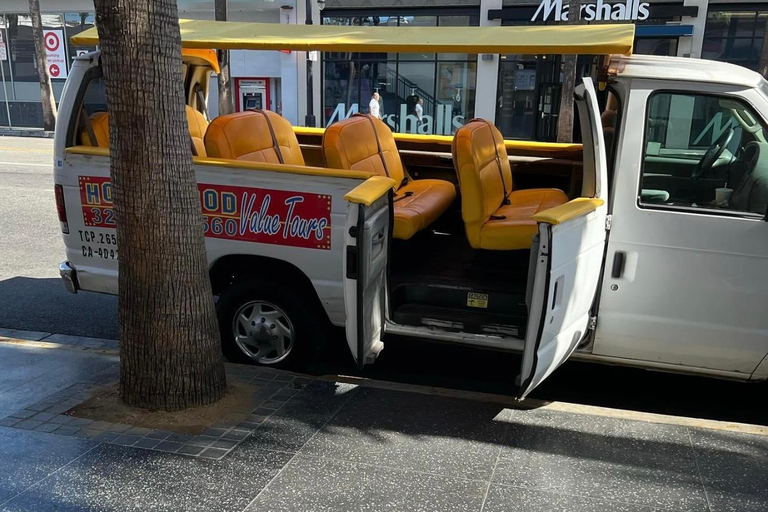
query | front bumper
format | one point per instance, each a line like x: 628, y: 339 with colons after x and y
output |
x: 69, y: 276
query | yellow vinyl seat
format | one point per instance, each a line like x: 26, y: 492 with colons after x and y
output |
x: 364, y: 143
x: 100, y: 126
x: 253, y: 136
x: 495, y: 216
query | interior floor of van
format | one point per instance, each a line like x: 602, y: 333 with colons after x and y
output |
x: 437, y: 280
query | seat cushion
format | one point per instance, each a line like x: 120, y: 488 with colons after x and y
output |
x: 364, y: 143
x: 247, y: 136
x: 197, y: 127
x: 517, y: 227
x: 100, y: 126
x: 352, y: 144
x: 419, y: 203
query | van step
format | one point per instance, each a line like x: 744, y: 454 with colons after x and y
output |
x: 460, y: 320
x: 468, y: 299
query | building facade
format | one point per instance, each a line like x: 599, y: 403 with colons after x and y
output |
x: 417, y: 92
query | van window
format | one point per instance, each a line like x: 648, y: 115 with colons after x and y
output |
x: 704, y: 152
x: 95, y: 99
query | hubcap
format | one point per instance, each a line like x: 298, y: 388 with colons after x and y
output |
x: 263, y: 332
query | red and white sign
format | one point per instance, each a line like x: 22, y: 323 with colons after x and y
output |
x: 3, y: 49
x: 55, y: 53
x: 280, y: 217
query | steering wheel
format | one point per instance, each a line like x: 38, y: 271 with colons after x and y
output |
x: 712, y: 154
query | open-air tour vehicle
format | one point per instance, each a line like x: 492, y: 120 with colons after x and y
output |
x: 621, y: 250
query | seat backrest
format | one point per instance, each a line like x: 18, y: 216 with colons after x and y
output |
x: 197, y: 127
x: 100, y: 126
x: 254, y: 136
x: 363, y: 143
x: 481, y: 162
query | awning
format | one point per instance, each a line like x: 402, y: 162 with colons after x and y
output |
x: 562, y: 39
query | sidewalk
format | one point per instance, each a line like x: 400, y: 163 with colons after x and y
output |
x: 319, y: 444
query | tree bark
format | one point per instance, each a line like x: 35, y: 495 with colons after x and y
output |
x: 226, y: 105
x: 565, y: 114
x: 170, y: 351
x: 46, y: 90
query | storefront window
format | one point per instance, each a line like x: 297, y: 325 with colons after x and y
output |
x: 418, y: 93
x: 74, y: 23
x: 22, y: 45
x: 735, y: 36
x: 655, y: 46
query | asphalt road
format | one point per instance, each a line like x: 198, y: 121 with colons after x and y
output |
x: 33, y: 298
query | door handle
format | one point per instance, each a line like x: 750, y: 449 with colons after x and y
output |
x: 618, y: 264
x: 378, y: 239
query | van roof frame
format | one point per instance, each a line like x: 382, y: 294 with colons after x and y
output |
x: 603, y: 39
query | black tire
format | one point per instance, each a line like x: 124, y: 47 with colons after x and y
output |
x: 308, y: 325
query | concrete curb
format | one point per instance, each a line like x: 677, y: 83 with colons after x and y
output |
x: 110, y: 347
x: 26, y: 132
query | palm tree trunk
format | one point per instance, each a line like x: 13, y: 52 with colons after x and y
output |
x: 226, y: 105
x: 46, y: 90
x: 565, y: 115
x: 170, y: 353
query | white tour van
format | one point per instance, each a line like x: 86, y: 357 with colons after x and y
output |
x: 645, y: 246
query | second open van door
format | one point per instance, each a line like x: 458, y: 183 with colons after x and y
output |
x: 569, y: 260
x: 366, y: 239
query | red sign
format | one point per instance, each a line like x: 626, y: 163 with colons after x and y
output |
x: 96, y: 200
x: 267, y: 216
x: 53, y: 69
x: 280, y: 217
x: 51, y: 41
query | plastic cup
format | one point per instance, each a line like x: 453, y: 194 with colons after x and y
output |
x: 722, y: 195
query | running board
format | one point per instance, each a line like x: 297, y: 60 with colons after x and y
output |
x: 505, y: 343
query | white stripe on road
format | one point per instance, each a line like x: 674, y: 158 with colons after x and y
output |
x: 26, y: 163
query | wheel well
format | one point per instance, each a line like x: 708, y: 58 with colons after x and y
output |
x: 228, y: 269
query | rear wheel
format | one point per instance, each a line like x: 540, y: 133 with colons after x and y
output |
x: 261, y: 322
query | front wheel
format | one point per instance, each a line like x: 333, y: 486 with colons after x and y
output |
x: 263, y: 323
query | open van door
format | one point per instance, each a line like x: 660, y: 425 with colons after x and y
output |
x: 569, y: 259
x: 366, y: 247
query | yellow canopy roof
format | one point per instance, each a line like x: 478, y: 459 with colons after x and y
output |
x: 563, y: 39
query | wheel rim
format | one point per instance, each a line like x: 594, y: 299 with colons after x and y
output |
x: 263, y: 332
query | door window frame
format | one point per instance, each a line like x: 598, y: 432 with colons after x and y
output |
x: 690, y: 209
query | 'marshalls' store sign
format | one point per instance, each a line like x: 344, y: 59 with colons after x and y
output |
x: 556, y: 10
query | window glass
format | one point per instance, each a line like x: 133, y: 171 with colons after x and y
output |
x: 704, y: 152
x: 735, y: 36
x: 74, y: 23
x: 95, y: 99
x: 418, y: 93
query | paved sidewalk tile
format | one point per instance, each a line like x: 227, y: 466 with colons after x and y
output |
x: 734, y: 469
x: 434, y: 434
x: 26, y: 457
x: 513, y: 499
x: 602, y: 458
x: 291, y: 426
x: 310, y: 484
x: 119, y: 478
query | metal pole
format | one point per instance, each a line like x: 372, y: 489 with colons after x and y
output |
x: 309, y: 119
x: 2, y: 72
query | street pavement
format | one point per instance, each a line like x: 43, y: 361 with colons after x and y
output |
x: 32, y: 298
x: 31, y: 248
x: 333, y: 445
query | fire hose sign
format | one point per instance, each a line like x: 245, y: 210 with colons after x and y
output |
x: 55, y: 53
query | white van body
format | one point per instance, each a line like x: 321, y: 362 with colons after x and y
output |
x: 662, y: 286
